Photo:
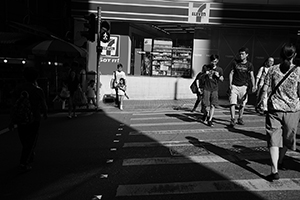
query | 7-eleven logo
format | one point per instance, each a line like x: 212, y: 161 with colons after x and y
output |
x: 111, y: 48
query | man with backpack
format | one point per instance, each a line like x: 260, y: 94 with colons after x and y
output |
x: 239, y: 84
x: 27, y: 114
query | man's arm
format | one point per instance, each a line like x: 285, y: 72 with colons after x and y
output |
x: 230, y: 78
x: 253, y: 81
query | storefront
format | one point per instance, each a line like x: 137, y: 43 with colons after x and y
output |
x: 164, y: 44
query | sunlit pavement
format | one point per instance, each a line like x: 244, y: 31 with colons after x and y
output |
x: 150, y: 150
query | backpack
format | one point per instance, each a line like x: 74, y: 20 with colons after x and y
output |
x: 21, y: 112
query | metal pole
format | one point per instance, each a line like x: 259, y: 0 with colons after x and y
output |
x: 98, y: 49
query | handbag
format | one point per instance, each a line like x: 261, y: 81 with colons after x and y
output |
x: 278, y: 84
x: 194, y: 87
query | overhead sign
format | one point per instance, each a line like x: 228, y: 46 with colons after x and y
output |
x: 199, y: 12
x: 111, y: 49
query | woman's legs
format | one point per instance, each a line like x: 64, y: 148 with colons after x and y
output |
x: 274, y: 153
x: 121, y: 97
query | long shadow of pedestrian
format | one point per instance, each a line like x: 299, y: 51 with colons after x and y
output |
x: 226, y: 154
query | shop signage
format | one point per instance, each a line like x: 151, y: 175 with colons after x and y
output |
x: 199, y: 12
x: 111, y: 50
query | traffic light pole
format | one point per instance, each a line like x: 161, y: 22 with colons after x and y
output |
x: 98, y: 49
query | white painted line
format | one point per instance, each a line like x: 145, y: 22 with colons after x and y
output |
x: 165, y: 124
x: 208, y: 130
x: 208, y: 186
x: 180, y: 116
x: 186, y: 123
x: 118, y: 134
x: 110, y: 161
x: 178, y: 160
x: 113, y: 149
x: 116, y: 141
x: 186, y: 143
x: 97, y: 197
x: 120, y: 129
x: 104, y: 176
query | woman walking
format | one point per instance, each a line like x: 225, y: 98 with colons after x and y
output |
x: 283, y: 109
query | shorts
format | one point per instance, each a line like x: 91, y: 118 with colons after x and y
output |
x: 210, y: 98
x: 238, y: 95
x: 281, y: 129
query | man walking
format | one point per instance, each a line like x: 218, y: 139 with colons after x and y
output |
x: 239, y: 84
x: 213, y: 74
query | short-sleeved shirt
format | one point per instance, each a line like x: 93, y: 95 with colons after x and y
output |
x: 211, y: 81
x: 241, y: 74
x: 286, y: 97
x: 36, y: 98
x: 119, y: 75
x: 262, y: 72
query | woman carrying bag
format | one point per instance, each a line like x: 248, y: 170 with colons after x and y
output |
x: 282, y: 117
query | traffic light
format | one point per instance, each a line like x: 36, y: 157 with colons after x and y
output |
x: 90, y: 26
x: 105, y: 31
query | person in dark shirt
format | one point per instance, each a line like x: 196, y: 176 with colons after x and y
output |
x: 213, y: 74
x: 73, y: 84
x: 239, y: 82
x: 28, y: 133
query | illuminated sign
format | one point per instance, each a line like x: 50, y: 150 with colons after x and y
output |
x: 111, y: 50
x: 199, y: 13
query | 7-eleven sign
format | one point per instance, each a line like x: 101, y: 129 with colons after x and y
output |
x: 112, y: 47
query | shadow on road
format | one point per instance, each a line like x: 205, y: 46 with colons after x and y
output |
x: 82, y: 157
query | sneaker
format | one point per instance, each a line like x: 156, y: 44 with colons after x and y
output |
x: 232, y: 122
x: 272, y: 177
x: 121, y: 107
x: 240, y: 121
x: 210, y: 123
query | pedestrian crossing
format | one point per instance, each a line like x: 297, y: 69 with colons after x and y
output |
x: 163, y: 148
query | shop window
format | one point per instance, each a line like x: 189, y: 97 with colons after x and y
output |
x: 161, y: 58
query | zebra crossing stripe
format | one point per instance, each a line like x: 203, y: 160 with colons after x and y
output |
x: 208, y: 187
x: 179, y: 160
x: 183, y: 123
x: 163, y: 112
x: 183, y: 116
x: 186, y: 143
x: 203, y: 130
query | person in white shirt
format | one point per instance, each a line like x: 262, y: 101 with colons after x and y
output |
x: 117, y: 75
x: 261, y: 101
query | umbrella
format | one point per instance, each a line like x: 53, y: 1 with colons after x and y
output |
x: 58, y: 47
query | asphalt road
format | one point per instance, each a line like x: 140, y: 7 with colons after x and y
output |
x: 146, y: 153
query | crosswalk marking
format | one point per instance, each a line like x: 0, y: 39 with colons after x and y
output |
x: 178, y: 160
x: 183, y: 152
x: 203, y: 130
x: 184, y: 123
x: 186, y: 143
x: 208, y: 187
x: 183, y: 116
